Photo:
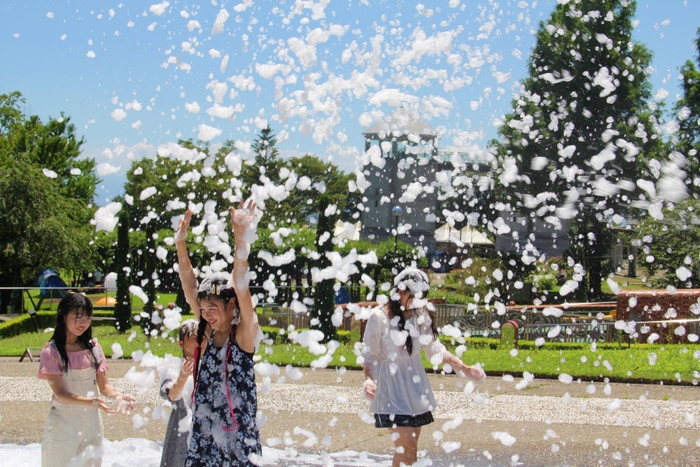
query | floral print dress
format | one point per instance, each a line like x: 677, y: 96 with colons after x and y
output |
x: 215, y: 440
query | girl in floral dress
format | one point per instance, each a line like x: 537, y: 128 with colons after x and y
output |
x: 224, y: 428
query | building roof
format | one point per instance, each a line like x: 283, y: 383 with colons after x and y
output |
x: 400, y: 124
x: 347, y: 230
x: 468, y: 235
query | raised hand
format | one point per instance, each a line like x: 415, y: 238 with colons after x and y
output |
x: 183, y: 227
x: 187, y: 368
x: 244, y: 216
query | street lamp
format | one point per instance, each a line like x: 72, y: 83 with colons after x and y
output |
x: 396, y: 212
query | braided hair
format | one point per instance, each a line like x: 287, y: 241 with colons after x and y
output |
x: 417, y: 283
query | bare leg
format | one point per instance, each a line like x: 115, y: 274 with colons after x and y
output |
x: 405, y: 439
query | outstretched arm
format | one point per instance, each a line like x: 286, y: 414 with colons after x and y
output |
x: 62, y: 394
x: 472, y: 373
x: 188, y: 278
x: 241, y: 221
x: 124, y: 401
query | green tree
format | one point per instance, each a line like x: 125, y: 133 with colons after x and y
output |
x: 40, y: 228
x: 672, y: 245
x: 324, y: 296
x: 267, y: 161
x: 317, y: 177
x: 122, y: 310
x: 688, y: 110
x: 10, y: 112
x: 53, y: 146
x: 46, y: 194
x: 264, y: 169
x: 157, y: 189
x: 149, y: 280
x: 576, y: 141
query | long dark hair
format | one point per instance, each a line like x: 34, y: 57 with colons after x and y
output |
x: 396, y: 309
x: 72, y: 301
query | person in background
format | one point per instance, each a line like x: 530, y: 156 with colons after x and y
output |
x: 224, y: 428
x: 395, y: 379
x: 178, y: 390
x: 74, y: 365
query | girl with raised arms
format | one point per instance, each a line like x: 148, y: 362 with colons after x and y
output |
x: 224, y: 429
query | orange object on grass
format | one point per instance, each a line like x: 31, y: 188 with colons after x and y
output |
x: 106, y: 301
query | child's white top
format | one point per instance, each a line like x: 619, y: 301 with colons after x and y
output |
x: 402, y: 383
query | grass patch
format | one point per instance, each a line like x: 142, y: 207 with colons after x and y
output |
x: 50, y: 304
x: 640, y: 362
x: 106, y: 336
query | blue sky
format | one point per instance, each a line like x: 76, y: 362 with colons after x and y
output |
x: 133, y: 75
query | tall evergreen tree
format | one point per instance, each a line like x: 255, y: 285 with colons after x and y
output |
x: 149, y: 278
x: 266, y: 152
x: 688, y: 109
x: 122, y: 310
x: 266, y: 161
x: 575, y: 143
x: 324, y: 294
x: 265, y: 170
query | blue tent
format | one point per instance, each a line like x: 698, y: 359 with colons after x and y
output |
x: 342, y: 296
x: 47, y: 280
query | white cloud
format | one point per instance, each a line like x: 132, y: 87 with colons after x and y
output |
x: 106, y: 168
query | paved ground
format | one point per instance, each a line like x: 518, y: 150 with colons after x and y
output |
x: 548, y: 423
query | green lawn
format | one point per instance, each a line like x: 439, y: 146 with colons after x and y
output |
x: 667, y: 363
x: 106, y: 335
x: 136, y: 302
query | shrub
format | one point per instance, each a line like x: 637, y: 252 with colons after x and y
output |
x: 43, y: 319
x: 272, y: 335
x: 475, y: 278
x: 545, y: 281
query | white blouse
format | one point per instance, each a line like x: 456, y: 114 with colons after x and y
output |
x: 402, y: 383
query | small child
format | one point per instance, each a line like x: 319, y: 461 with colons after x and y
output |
x: 74, y: 365
x: 178, y: 392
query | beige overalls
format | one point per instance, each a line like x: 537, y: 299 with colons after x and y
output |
x: 73, y: 433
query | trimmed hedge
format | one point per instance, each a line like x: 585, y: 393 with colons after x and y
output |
x: 44, y: 319
x: 271, y: 336
x: 483, y: 342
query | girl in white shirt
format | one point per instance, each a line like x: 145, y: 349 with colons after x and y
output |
x: 395, y: 380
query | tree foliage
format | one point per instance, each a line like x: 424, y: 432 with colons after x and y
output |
x: 122, y: 309
x: 581, y: 129
x: 46, y: 191
x: 672, y: 245
x: 324, y: 296
x: 688, y: 111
